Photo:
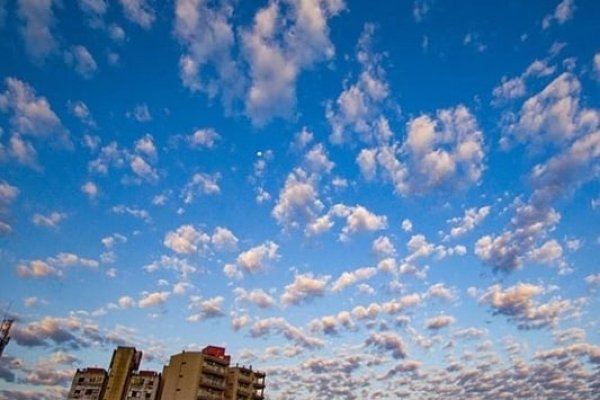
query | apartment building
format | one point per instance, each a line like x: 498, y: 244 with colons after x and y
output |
x: 244, y: 384
x: 143, y: 385
x: 196, y: 375
x: 190, y: 375
x: 88, y: 384
x: 125, y: 361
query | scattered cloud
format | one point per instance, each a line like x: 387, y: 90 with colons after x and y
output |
x: 186, y: 239
x: 38, y: 21
x: 51, y: 220
x: 439, y: 322
x: 140, y: 113
x: 153, y: 299
x: 199, y: 184
x: 468, y: 222
x: 518, y: 304
x: 206, y: 309
x: 139, y: 12
x: 349, y: 278
x: 564, y: 11
x: 304, y: 288
x: 285, y: 39
x: 82, y: 61
x: 256, y: 258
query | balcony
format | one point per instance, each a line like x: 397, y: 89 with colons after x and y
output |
x: 213, y: 383
x: 203, y: 395
x: 213, y: 369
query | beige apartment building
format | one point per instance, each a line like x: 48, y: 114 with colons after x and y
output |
x: 144, y: 385
x: 244, y: 384
x: 196, y: 375
x: 88, y: 384
x: 190, y: 375
x: 125, y: 361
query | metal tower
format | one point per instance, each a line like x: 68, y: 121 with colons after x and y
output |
x: 4, y: 334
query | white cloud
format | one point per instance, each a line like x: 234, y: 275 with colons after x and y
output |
x: 468, y: 222
x: 224, y: 239
x: 90, y: 189
x: 358, y: 108
x: 264, y: 327
x: 563, y: 12
x: 304, y: 288
x: 139, y: 12
x: 254, y: 259
x: 517, y: 303
x: 445, y: 152
x: 359, y: 219
x: 298, y: 200
x: 593, y: 281
x: 181, y: 265
x: 551, y: 116
x: 232, y: 271
x: 37, y: 29
x: 208, y: 38
x: 141, y: 113
x: 8, y: 193
x: 31, y: 114
x: 142, y: 169
x: 420, y: 9
x: 597, y: 65
x: 256, y: 296
x: 285, y: 38
x: 109, y: 241
x: 80, y: 110
x: 93, y: 7
x: 302, y: 139
x: 53, y: 266
x: 37, y: 269
x: 317, y: 160
x: 440, y: 291
x: 367, y: 162
x: 210, y: 308
x: 201, y: 183
x: 51, y: 220
x: 81, y: 60
x: 125, y: 302
x: 439, y: 322
x: 388, y: 341
x: 204, y: 138
x: 145, y: 145
x: 135, y: 212
x: 513, y: 88
x: 407, y: 225
x: 350, y: 278
x: 383, y: 247
x: 553, y: 179
x: 186, y: 239
x: 153, y: 299
x: 548, y: 253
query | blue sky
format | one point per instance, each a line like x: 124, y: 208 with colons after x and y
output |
x: 363, y: 200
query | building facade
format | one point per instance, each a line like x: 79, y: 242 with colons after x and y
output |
x: 244, y: 384
x: 125, y: 361
x: 88, y: 384
x: 196, y: 375
x: 143, y: 385
x: 190, y: 375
